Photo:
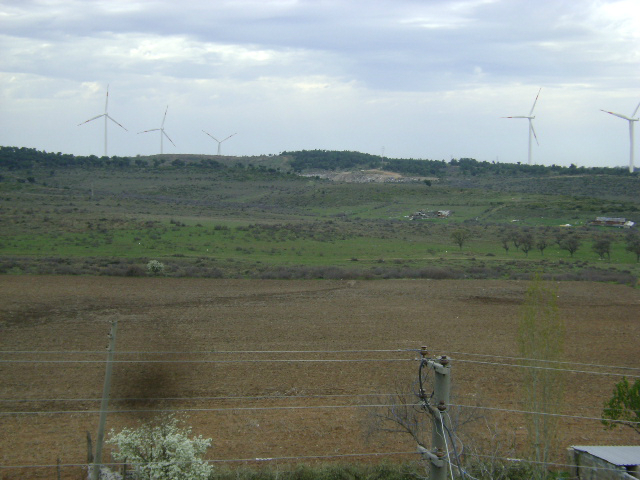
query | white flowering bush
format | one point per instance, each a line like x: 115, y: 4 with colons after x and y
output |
x: 162, y: 450
x: 155, y: 267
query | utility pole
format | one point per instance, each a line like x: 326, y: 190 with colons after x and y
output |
x: 95, y: 470
x: 437, y: 406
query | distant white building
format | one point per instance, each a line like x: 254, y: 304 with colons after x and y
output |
x: 613, y: 222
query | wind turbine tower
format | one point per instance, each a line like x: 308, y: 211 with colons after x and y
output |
x: 532, y: 132
x: 631, y: 121
x: 162, y: 132
x: 106, y: 117
x: 220, y: 141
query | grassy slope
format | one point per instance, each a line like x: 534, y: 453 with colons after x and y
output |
x: 248, y: 223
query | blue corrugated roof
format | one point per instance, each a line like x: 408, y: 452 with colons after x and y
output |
x: 623, y: 456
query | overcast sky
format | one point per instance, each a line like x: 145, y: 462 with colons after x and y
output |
x: 413, y: 78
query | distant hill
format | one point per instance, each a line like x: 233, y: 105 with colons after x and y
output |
x: 465, y: 170
x: 331, y: 160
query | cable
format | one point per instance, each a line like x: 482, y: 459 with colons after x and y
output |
x: 446, y: 445
x: 229, y: 460
x: 453, y: 443
x: 254, y: 352
x: 211, y: 352
x: 511, y: 400
x: 328, y: 361
x: 548, y: 368
x: 150, y: 399
x: 541, y: 413
x: 334, y: 360
x: 306, y: 407
x: 317, y: 457
x: 544, y: 361
x: 221, y: 409
x: 259, y: 352
x: 421, y: 393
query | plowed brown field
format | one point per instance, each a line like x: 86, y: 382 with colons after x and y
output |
x: 219, y: 330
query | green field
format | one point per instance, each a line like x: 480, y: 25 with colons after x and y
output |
x: 243, y: 220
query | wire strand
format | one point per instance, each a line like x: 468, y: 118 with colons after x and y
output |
x: 548, y: 368
x: 318, y: 457
x: 446, y: 444
x: 248, y: 398
x: 544, y: 361
x: 210, y: 352
x: 228, y: 460
x: 332, y: 360
x: 562, y: 415
x: 261, y: 352
x: 300, y: 407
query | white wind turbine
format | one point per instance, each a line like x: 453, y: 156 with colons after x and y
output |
x: 106, y: 117
x: 532, y: 132
x: 162, y: 132
x: 220, y: 141
x: 631, y: 121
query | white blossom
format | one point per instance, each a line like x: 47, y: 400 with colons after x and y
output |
x: 162, y: 450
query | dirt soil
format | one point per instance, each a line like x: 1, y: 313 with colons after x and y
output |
x: 236, y: 355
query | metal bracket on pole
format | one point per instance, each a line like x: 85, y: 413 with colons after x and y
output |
x: 435, y: 458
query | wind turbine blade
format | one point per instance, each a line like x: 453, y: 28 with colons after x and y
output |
x: 165, y: 134
x: 229, y: 137
x: 212, y: 136
x: 635, y: 111
x: 616, y: 114
x: 92, y: 118
x: 534, y: 102
x: 165, y: 117
x: 106, y: 103
x: 152, y: 130
x: 518, y: 116
x: 533, y: 130
x: 114, y: 121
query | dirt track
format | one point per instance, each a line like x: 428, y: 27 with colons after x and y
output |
x: 205, y: 318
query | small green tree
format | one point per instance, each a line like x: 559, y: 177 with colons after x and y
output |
x: 624, y: 406
x: 162, y: 450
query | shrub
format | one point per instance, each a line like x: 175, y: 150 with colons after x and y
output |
x: 155, y: 267
x: 162, y: 450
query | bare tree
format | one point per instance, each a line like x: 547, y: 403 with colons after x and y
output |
x: 541, y: 244
x: 515, y: 238
x: 480, y: 447
x: 602, y: 246
x: 570, y: 243
x: 460, y: 236
x: 526, y: 242
x: 506, y: 244
x: 633, y: 245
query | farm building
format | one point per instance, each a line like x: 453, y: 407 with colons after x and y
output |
x: 612, y: 222
x: 605, y: 463
x: 421, y: 214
